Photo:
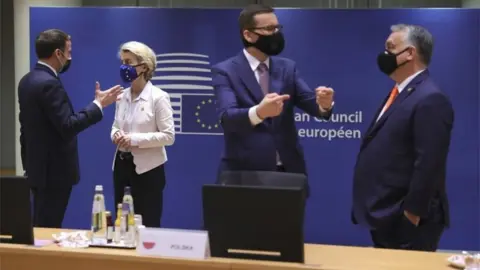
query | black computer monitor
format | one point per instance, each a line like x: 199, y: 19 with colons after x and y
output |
x: 15, y: 211
x: 255, y: 222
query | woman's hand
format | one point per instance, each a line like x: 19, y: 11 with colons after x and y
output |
x: 124, y: 141
x: 117, y: 136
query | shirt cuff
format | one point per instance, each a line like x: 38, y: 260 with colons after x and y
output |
x: 133, y: 140
x: 323, y: 110
x: 99, y: 105
x: 252, y: 114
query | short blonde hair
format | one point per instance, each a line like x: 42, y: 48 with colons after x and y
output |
x: 144, y: 54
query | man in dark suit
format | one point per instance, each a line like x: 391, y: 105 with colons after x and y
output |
x: 49, y: 128
x: 256, y: 94
x: 399, y: 179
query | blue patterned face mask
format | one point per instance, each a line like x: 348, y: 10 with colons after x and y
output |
x: 128, y: 73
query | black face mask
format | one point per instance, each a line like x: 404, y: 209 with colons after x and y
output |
x: 269, y: 44
x: 65, y: 66
x: 387, y: 61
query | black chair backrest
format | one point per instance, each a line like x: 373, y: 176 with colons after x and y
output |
x: 15, y: 211
x: 256, y: 215
x: 262, y: 178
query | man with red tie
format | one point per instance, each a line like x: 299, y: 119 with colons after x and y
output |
x: 399, y: 178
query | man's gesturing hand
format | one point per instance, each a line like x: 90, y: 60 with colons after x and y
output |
x: 107, y: 97
x: 324, y: 97
x: 271, y: 105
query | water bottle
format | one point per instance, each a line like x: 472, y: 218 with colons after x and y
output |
x: 99, y: 221
x: 128, y: 212
x: 124, y: 224
x: 128, y: 199
x: 118, y: 222
x: 138, y: 225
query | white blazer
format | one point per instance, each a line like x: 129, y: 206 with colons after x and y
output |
x: 152, y: 126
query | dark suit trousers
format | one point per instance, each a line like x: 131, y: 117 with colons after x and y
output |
x: 49, y: 205
x: 147, y: 188
x: 403, y: 234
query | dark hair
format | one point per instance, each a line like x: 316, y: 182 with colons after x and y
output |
x: 246, y: 20
x: 50, y: 40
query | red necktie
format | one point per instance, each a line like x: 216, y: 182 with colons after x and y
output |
x: 391, y: 98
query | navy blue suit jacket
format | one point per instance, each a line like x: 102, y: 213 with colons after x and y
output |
x: 402, y: 160
x: 253, y: 148
x: 49, y: 128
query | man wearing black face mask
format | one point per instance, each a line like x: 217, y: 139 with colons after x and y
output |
x: 256, y: 94
x: 399, y: 179
x: 49, y: 128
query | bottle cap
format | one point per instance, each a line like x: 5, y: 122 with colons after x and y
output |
x: 108, y: 213
x: 98, y: 188
x: 119, y: 205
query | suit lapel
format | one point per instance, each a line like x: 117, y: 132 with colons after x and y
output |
x: 142, y: 101
x: 401, y: 97
x: 410, y: 88
x: 123, y: 109
x: 248, y: 77
x: 379, y: 110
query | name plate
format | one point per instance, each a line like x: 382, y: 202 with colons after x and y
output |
x: 176, y: 243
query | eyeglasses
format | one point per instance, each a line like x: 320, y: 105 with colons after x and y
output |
x: 269, y: 28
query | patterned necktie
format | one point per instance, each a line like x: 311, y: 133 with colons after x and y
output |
x: 264, y: 77
x: 391, y: 98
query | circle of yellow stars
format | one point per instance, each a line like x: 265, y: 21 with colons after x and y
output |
x: 197, y: 114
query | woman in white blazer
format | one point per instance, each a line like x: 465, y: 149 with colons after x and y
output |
x: 143, y: 126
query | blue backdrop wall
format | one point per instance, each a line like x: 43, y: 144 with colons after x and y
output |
x: 336, y: 47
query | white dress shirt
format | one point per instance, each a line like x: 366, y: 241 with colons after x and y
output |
x: 400, y: 88
x: 56, y: 75
x: 148, y: 121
